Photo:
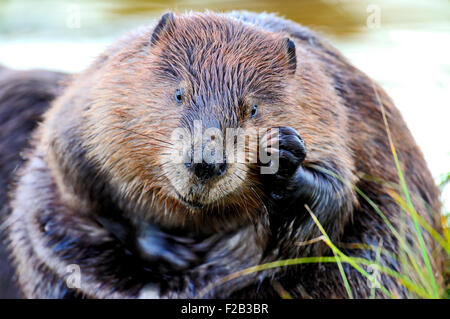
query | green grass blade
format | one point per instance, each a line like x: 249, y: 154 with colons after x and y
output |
x: 408, y: 198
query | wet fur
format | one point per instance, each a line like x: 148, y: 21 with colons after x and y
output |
x: 329, y: 102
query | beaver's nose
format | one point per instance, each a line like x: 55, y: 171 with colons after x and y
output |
x: 205, y: 171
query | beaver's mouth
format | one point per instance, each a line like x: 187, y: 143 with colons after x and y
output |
x: 192, y: 204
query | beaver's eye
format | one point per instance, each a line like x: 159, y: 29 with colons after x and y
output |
x: 179, y: 96
x: 254, y: 111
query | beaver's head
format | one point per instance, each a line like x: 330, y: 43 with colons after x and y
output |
x: 168, y: 108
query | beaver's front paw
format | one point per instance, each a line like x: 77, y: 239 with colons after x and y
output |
x: 164, y: 251
x: 287, y: 151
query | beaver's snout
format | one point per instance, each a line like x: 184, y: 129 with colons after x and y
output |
x: 206, y: 157
x: 205, y: 171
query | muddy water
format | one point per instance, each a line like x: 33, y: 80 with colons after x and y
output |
x: 404, y: 45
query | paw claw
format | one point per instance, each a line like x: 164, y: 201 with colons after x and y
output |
x: 291, y: 150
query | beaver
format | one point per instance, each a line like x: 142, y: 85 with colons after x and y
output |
x: 103, y: 188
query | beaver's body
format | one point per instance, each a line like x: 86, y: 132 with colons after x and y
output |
x: 99, y: 189
x: 24, y: 97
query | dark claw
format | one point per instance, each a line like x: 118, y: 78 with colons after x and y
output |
x: 292, y: 153
x: 292, y: 150
x: 294, y: 144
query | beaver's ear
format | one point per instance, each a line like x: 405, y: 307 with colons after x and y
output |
x: 289, y: 45
x: 165, y: 23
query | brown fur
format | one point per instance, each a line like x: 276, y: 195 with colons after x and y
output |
x: 24, y: 97
x: 101, y: 151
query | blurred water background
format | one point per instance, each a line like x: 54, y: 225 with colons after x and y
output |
x: 404, y: 45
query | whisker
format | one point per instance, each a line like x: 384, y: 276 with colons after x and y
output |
x: 142, y: 134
